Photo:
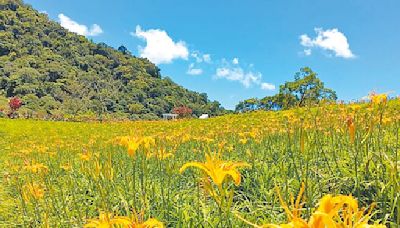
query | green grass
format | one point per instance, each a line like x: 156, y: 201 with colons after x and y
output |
x: 329, y: 163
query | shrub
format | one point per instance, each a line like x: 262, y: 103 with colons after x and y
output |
x: 183, y: 111
x: 14, y: 103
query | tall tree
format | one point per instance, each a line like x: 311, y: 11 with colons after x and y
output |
x: 306, y: 89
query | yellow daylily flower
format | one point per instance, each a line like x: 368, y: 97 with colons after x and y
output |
x: 148, y: 142
x: 243, y: 140
x: 150, y: 223
x: 36, y: 168
x: 341, y: 211
x: 293, y: 215
x: 217, y: 169
x: 106, y: 220
x: 133, y: 145
x: 136, y: 221
x: 351, y: 127
x: 124, y: 140
x: 32, y: 191
x: 333, y: 212
x: 378, y: 98
x: 66, y: 167
x: 85, y: 156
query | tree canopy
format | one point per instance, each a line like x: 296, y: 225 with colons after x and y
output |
x: 59, y: 73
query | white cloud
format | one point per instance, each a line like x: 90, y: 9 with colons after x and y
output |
x: 307, y: 52
x: 197, y: 57
x: 194, y: 71
x: 267, y: 86
x: 305, y: 40
x: 75, y: 27
x: 201, y: 57
x: 330, y: 39
x: 160, y: 48
x: 235, y: 61
x: 238, y: 74
x: 200, y: 60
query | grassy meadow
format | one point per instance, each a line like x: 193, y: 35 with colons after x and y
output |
x: 241, y: 170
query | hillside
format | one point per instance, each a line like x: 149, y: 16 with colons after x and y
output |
x: 59, y: 73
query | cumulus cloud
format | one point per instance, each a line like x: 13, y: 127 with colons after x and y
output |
x: 75, y: 27
x: 246, y: 78
x: 194, y: 71
x: 267, y: 86
x: 200, y: 60
x: 160, y: 48
x: 238, y: 74
x: 330, y: 39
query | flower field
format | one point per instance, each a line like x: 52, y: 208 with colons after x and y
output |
x: 329, y: 166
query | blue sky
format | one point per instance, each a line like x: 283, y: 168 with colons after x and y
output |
x: 234, y: 50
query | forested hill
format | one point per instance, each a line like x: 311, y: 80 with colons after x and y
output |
x: 56, y: 72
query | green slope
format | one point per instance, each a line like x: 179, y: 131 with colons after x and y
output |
x: 59, y: 73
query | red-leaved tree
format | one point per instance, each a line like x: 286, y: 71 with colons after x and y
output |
x: 183, y: 111
x: 15, y: 103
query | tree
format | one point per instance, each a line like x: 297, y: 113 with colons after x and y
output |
x: 216, y: 108
x: 123, y: 50
x: 136, y: 108
x: 183, y: 111
x: 15, y: 103
x: 271, y: 102
x: 248, y: 105
x: 306, y: 90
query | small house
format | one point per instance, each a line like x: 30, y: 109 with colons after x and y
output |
x: 169, y: 116
x: 204, y: 116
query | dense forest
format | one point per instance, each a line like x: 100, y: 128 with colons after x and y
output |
x: 57, y: 73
